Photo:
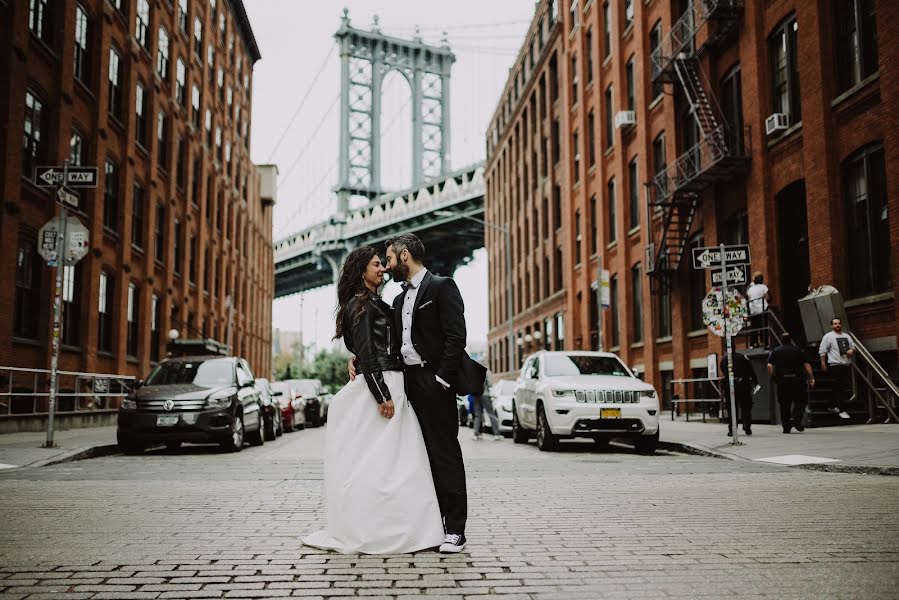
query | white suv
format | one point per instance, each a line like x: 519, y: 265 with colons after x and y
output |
x: 583, y: 394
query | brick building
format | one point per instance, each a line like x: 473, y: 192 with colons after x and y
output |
x: 596, y: 151
x: 156, y: 94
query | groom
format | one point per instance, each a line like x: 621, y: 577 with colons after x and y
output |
x: 430, y: 316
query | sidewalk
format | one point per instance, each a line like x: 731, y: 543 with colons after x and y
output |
x: 856, y: 448
x: 19, y: 450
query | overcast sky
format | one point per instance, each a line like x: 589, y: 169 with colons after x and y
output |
x: 296, y: 109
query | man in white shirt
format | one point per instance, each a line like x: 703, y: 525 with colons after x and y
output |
x: 836, y: 350
x: 757, y: 299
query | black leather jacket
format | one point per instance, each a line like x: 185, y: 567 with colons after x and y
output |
x: 374, y: 342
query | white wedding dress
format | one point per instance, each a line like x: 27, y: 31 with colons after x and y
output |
x: 379, y: 492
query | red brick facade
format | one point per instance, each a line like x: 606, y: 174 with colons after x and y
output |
x: 201, y: 234
x: 555, y: 260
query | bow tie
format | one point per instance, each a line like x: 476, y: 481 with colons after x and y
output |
x: 406, y: 285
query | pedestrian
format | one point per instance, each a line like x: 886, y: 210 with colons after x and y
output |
x: 836, y: 350
x: 786, y: 365
x: 745, y: 385
x: 757, y: 297
x: 480, y: 404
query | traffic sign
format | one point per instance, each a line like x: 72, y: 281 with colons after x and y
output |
x: 716, y: 311
x: 735, y: 275
x: 76, y: 176
x: 710, y: 257
x: 77, y: 237
x: 67, y: 196
x: 604, y: 295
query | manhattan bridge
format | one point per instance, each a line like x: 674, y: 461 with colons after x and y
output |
x: 442, y: 207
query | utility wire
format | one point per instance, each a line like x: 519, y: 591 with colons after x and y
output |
x: 311, y: 87
x: 332, y: 104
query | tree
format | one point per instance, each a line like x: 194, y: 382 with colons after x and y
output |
x: 330, y: 367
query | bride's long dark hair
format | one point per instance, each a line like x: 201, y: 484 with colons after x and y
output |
x: 350, y: 284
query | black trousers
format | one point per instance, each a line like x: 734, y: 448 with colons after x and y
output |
x: 439, y: 419
x: 791, y: 396
x: 743, y: 397
x: 759, y: 326
x: 842, y: 382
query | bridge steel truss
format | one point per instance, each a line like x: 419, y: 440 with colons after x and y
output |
x: 365, y: 59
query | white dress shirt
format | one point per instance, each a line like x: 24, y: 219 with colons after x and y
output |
x: 410, y: 354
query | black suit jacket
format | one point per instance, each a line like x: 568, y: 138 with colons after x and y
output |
x: 438, y: 333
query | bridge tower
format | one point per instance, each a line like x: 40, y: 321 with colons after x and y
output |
x: 365, y: 59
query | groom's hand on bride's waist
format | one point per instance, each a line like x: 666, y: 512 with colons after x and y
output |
x: 351, y: 368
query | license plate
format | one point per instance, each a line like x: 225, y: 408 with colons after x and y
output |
x: 609, y: 413
x: 167, y: 420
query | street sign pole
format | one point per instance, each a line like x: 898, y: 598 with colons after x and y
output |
x: 599, y: 300
x: 729, y: 353
x: 57, y: 315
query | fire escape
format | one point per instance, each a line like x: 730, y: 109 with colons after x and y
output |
x: 719, y: 155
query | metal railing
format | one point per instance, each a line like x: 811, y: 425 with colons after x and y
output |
x: 703, y: 402
x: 882, y: 391
x: 683, y: 33
x: 26, y: 392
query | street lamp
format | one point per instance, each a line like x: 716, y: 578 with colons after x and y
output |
x: 508, y: 243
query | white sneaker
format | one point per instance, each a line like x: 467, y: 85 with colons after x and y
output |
x: 844, y: 415
x: 452, y: 543
x: 497, y: 438
x: 475, y: 436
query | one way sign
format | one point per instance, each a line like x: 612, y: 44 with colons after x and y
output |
x: 710, y: 257
x: 736, y: 275
x: 75, y: 177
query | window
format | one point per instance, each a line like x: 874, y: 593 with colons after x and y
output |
x: 732, y: 107
x: 155, y: 318
x: 613, y: 311
x: 578, y: 237
x: 28, y: 287
x: 856, y: 44
x: 868, y: 227
x: 553, y: 79
x: 220, y: 80
x: 628, y: 13
x: 71, y: 305
x: 218, y: 143
x: 588, y: 43
x: 607, y: 29
x: 198, y: 37
x: 557, y: 270
x: 76, y: 149
x: 637, y: 303
x: 104, y: 320
x: 210, y: 62
x: 182, y: 16
x: 633, y: 185
x: 39, y: 20
x: 137, y: 217
x: 207, y: 271
x: 591, y: 138
x: 162, y: 141
x: 574, y: 80
x: 159, y: 235
x: 209, y: 128
x: 782, y: 52
x: 663, y: 311
x: 195, y: 105
x: 115, y: 84
x: 572, y: 13
x: 140, y: 110
x: 180, y: 83
x: 659, y: 165
x: 655, y: 40
x: 82, y: 47
x: 176, y: 247
x: 575, y: 149
x: 629, y: 78
x: 612, y: 232
x: 142, y: 23
x: 181, y: 164
x: 195, y: 182
x: 594, y: 225
x: 34, y: 147
x: 132, y: 319
x: 557, y: 206
x: 111, y: 197
x: 560, y: 331
x: 610, y: 134
x: 557, y: 143
x: 162, y: 54
x: 192, y: 260
x: 697, y: 290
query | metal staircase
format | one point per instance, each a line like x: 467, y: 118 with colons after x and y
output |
x: 719, y: 155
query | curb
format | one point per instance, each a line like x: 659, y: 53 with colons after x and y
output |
x: 695, y: 450
x: 92, y: 452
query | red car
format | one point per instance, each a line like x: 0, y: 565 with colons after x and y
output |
x: 293, y: 414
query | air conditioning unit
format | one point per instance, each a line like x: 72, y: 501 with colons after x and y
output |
x: 776, y: 122
x: 625, y: 118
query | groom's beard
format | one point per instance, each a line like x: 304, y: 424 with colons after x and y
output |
x: 400, y: 272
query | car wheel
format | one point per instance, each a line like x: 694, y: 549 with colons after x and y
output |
x: 234, y: 442
x: 130, y: 448
x: 280, y: 425
x: 173, y: 445
x: 315, y: 420
x: 256, y: 438
x: 601, y: 442
x: 269, y: 429
x: 647, y: 444
x: 546, y: 440
x: 519, y: 433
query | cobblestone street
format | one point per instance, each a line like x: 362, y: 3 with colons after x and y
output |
x: 581, y: 523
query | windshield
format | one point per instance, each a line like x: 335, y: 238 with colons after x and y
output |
x: 505, y: 387
x: 280, y: 386
x: 560, y: 365
x: 212, y: 372
x: 307, y: 388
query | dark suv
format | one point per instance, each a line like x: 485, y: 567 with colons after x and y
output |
x: 205, y: 399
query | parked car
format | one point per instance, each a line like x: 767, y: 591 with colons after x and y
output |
x: 502, y: 394
x: 326, y: 404
x: 563, y: 395
x: 462, y: 408
x: 271, y: 410
x: 199, y: 399
x: 292, y: 416
x: 311, y: 390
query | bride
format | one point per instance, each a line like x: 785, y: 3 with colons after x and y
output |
x: 379, y: 492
